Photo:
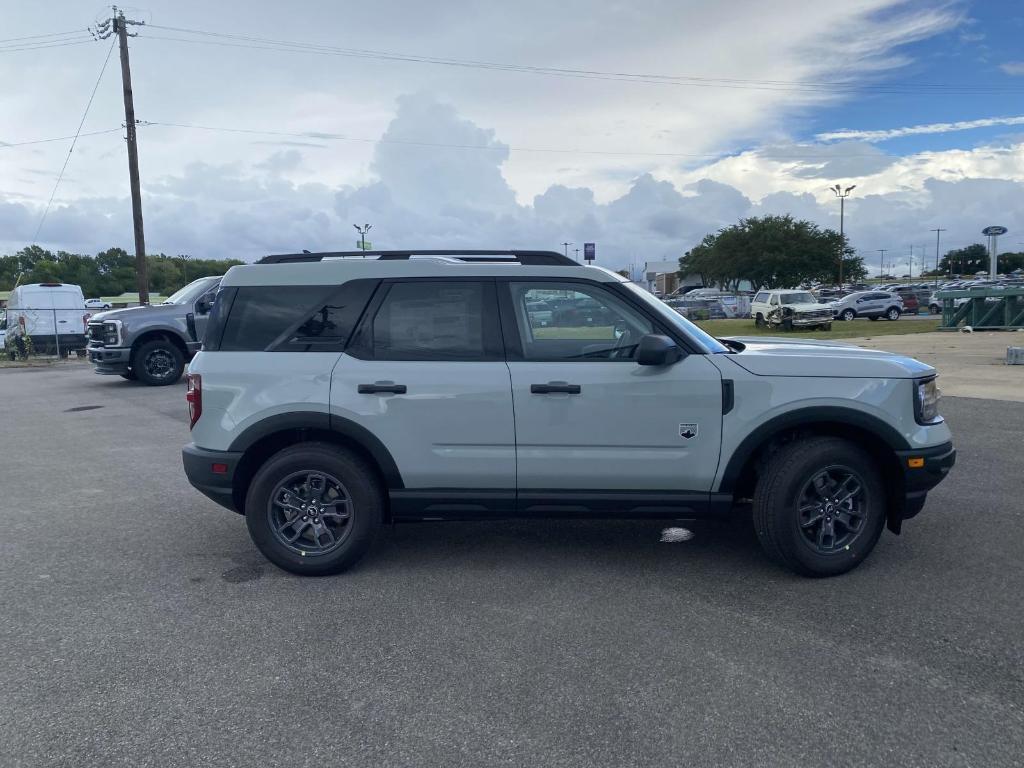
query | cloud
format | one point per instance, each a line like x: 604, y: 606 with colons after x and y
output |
x: 918, y: 130
x: 1014, y: 68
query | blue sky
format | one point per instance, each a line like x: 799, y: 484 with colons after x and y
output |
x: 252, y: 146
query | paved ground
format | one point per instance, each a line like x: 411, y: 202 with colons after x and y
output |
x: 138, y: 626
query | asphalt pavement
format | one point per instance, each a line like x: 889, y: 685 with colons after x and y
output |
x: 139, y: 626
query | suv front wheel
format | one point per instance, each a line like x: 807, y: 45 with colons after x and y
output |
x: 314, y: 509
x: 819, y: 506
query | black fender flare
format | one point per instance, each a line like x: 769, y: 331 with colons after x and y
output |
x: 810, y: 416
x: 324, y: 422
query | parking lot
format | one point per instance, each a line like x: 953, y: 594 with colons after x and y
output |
x: 141, y: 626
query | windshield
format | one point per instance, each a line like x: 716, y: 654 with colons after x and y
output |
x: 798, y: 298
x: 690, y: 330
x: 192, y: 291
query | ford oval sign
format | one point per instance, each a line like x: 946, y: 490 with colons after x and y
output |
x: 994, y: 231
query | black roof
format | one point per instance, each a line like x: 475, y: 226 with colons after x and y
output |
x: 532, y: 258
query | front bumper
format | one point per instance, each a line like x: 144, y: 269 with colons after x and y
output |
x: 923, y: 469
x: 212, y: 473
x: 812, y: 320
x: 109, y: 360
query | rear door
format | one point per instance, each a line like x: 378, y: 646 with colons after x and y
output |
x: 590, y: 422
x: 425, y: 373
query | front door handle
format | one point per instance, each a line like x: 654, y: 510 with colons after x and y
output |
x: 382, y: 387
x: 555, y: 386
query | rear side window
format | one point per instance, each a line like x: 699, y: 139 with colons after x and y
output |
x: 294, y: 318
x: 432, y: 320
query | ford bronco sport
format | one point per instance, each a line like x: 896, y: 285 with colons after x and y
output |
x: 334, y: 393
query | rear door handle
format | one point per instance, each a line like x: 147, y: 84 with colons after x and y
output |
x: 555, y: 386
x: 382, y: 387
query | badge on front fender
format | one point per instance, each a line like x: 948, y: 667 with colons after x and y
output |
x: 688, y: 431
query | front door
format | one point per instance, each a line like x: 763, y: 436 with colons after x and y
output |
x: 588, y: 418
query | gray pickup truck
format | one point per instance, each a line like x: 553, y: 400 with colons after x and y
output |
x: 153, y: 343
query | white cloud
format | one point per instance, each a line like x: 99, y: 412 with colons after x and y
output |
x: 919, y: 130
x: 1015, y: 68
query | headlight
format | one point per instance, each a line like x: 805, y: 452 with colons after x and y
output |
x: 926, y: 401
x: 112, y: 333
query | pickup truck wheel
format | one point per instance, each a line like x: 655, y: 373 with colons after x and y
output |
x: 128, y: 375
x: 787, y: 325
x: 759, y: 321
x: 819, y: 506
x: 158, y: 363
x: 314, y: 509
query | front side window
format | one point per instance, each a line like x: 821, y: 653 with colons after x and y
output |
x: 584, y: 323
x: 433, y: 320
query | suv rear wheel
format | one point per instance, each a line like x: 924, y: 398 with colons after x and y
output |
x: 819, y: 506
x: 314, y: 509
x: 158, y: 363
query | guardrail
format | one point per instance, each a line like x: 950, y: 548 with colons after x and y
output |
x: 990, y: 309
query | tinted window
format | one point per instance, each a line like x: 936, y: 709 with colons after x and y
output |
x: 589, y: 323
x: 294, y: 318
x: 433, y: 320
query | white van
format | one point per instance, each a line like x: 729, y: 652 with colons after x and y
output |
x: 52, y: 314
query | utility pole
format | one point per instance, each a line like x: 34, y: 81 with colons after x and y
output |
x: 119, y: 26
x: 842, y: 195
x: 910, y: 261
x: 938, y: 233
x: 566, y: 246
x: 881, y: 265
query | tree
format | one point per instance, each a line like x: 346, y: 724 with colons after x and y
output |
x: 771, y: 251
x: 974, y: 258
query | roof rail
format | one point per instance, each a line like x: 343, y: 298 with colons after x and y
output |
x: 531, y: 258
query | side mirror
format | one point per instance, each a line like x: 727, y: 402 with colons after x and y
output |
x: 655, y: 349
x: 203, y: 306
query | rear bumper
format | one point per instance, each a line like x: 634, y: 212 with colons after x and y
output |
x: 109, y: 360
x: 935, y: 464
x: 212, y: 473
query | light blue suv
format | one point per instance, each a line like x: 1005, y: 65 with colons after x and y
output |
x: 335, y: 393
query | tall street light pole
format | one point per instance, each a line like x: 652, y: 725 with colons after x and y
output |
x: 362, y: 236
x: 566, y: 246
x: 577, y: 253
x: 842, y: 194
x: 881, y: 264
x: 938, y: 233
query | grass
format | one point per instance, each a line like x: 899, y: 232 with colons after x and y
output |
x: 840, y: 329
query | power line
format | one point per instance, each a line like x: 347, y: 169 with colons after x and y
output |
x: 15, y: 49
x: 249, y: 41
x: 320, y: 136
x: 51, y: 34
x: 73, y: 142
x: 8, y: 144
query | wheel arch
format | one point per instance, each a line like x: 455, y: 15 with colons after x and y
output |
x: 263, y: 439
x: 871, y: 433
x: 161, y: 334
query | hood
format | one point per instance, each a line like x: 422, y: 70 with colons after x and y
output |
x: 777, y: 356
x: 806, y: 307
x: 135, y: 314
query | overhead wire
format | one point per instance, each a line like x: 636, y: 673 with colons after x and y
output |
x: 74, y: 141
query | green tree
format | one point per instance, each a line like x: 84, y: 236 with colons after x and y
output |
x: 974, y: 259
x: 771, y: 251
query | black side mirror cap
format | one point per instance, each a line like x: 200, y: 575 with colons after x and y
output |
x: 655, y: 349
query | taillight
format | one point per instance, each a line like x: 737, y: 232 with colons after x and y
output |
x: 194, y: 397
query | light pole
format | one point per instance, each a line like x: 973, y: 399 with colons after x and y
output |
x: 842, y: 194
x: 937, y: 232
x: 362, y: 236
x: 881, y: 262
x: 577, y: 253
x: 566, y: 246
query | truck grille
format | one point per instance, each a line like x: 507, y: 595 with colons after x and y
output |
x: 96, y: 332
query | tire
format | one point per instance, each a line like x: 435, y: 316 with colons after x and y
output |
x: 848, y: 315
x: 787, y: 325
x: 338, y: 544
x: 784, y: 484
x: 893, y: 313
x: 759, y: 321
x: 158, y: 363
x: 128, y: 375
x: 826, y: 327
x: 934, y: 309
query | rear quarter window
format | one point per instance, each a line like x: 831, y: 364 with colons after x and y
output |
x: 292, y: 318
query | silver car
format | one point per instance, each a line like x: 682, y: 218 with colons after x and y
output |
x: 869, y: 304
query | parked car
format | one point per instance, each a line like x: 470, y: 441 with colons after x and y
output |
x: 97, y: 304
x: 376, y: 391
x: 789, y: 309
x: 52, y: 315
x: 153, y: 343
x: 869, y: 304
